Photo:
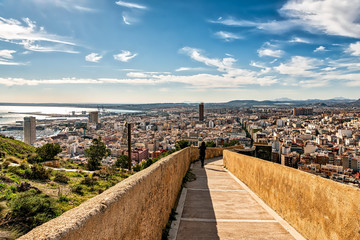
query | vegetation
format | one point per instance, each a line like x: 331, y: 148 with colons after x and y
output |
x: 48, y: 151
x: 122, y: 161
x: 165, y: 232
x: 30, y: 194
x: 61, y: 177
x: 29, y: 209
x: 231, y: 143
x: 95, y: 153
x: 15, y: 148
x: 182, y: 144
x: 210, y: 144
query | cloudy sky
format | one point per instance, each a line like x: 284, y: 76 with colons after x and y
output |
x: 138, y: 51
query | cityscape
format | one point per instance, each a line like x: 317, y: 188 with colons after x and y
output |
x: 173, y: 120
x: 323, y: 140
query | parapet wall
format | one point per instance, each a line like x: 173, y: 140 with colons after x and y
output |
x: 318, y: 208
x: 136, y: 208
x: 211, y: 152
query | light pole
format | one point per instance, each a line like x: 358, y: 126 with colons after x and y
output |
x: 129, y: 144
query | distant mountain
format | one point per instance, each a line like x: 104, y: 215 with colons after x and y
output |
x: 341, y: 99
x: 283, y: 100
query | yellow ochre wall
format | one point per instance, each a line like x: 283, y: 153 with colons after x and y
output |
x: 316, y: 207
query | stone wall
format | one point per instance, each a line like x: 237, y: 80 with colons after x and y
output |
x: 318, y: 208
x: 211, y: 152
x: 136, y: 208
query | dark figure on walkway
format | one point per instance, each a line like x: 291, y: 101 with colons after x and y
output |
x: 202, y: 149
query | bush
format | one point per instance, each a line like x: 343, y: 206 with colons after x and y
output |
x: 33, y: 159
x: 210, y: 144
x: 29, y: 209
x: 78, y: 189
x: 37, y: 172
x: 88, y: 181
x: 231, y: 143
x: 61, y: 177
x: 137, y: 167
x: 122, y: 161
x: 63, y: 198
x: 182, y: 144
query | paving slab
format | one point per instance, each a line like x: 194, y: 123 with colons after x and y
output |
x: 218, y: 206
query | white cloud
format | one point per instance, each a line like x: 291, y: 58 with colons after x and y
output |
x: 354, y: 49
x: 299, y: 40
x: 69, y: 5
x: 299, y: 65
x: 264, y: 68
x: 6, y: 53
x: 271, y: 26
x: 182, y: 69
x: 124, y: 56
x: 227, y: 36
x: 9, y: 63
x: 130, y: 5
x: 46, y: 47
x: 125, y: 20
x: 93, y: 57
x: 331, y: 16
x: 270, y: 52
x: 137, y: 75
x: 320, y: 49
x: 28, y: 35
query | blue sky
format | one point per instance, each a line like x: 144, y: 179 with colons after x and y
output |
x: 114, y: 51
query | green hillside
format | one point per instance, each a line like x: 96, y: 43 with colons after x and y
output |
x: 15, y: 148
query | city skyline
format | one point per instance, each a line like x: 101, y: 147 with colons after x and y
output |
x: 174, y: 51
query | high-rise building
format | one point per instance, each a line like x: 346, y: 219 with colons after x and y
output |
x: 29, y: 130
x: 94, y: 117
x: 201, y: 112
x: 302, y: 111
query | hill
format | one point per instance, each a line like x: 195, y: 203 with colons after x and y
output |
x: 15, y: 148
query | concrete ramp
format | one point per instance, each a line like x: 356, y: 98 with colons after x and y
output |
x: 219, y: 206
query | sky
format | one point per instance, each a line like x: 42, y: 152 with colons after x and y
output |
x: 149, y: 51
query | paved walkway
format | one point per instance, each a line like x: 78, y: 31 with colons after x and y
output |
x: 219, y: 206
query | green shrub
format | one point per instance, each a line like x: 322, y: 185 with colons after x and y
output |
x: 137, y: 167
x: 63, y: 198
x: 61, y: 177
x: 122, y: 161
x: 89, y: 181
x: 29, y: 209
x: 78, y: 189
x: 33, y: 159
x: 182, y: 144
x: 38, y: 172
x: 210, y: 144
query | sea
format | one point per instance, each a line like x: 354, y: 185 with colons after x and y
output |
x: 16, y: 114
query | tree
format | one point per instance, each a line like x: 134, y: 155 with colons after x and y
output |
x: 95, y: 153
x: 122, y: 161
x: 231, y: 143
x: 48, y: 151
x: 210, y: 144
x: 182, y: 144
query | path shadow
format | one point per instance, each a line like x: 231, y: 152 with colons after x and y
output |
x: 198, y: 220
